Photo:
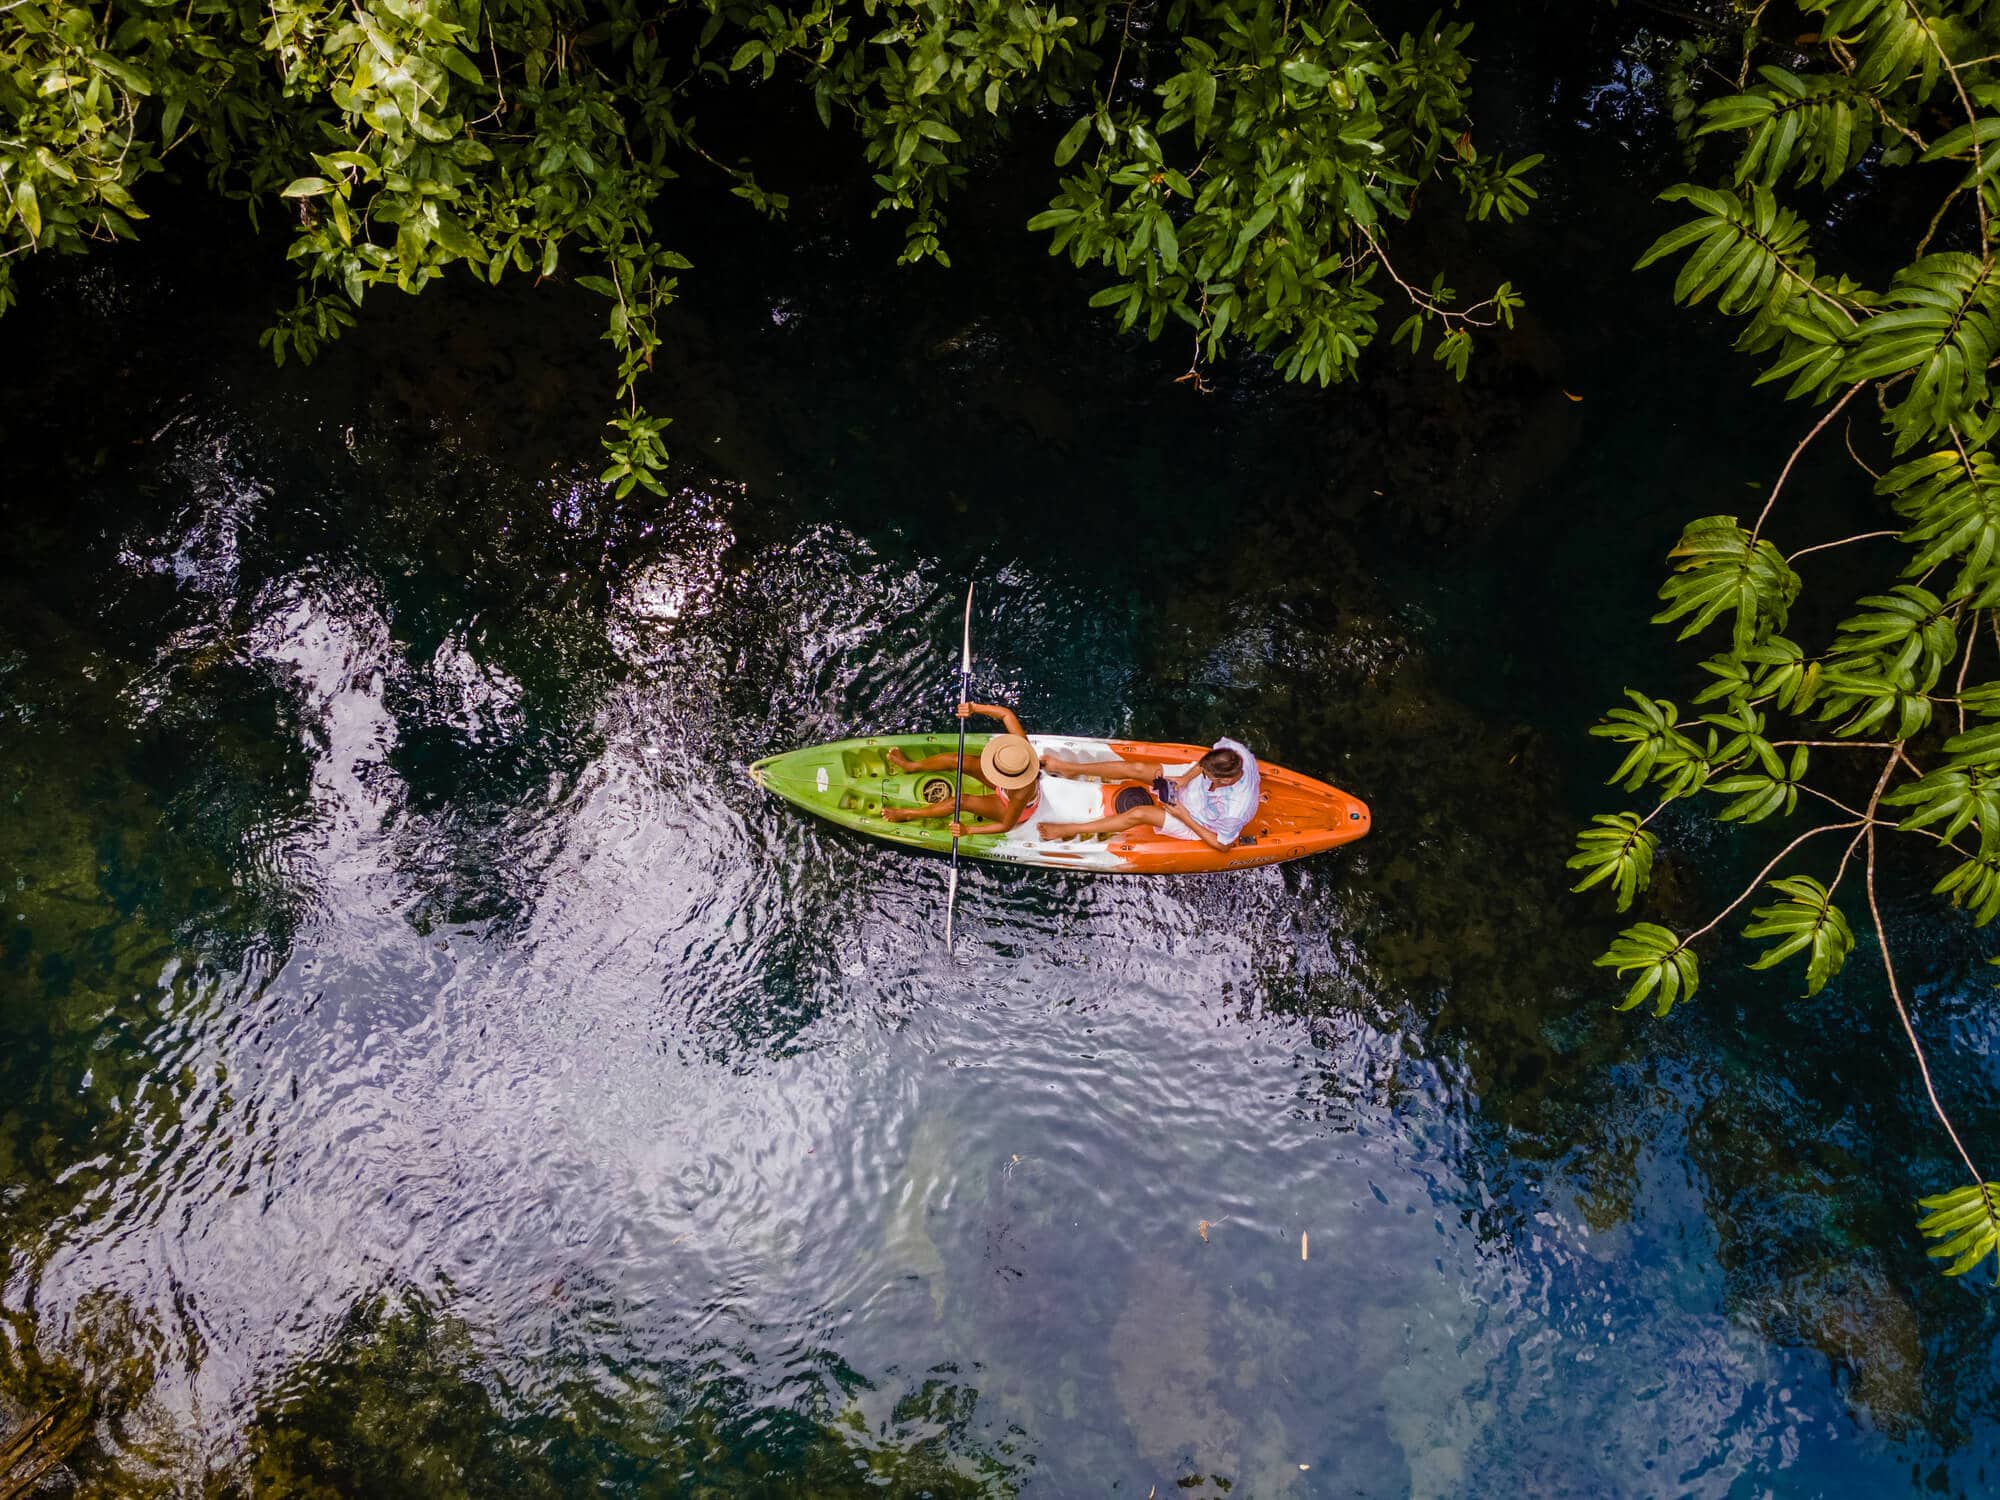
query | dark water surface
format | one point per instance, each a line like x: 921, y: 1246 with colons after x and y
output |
x: 428, y: 1067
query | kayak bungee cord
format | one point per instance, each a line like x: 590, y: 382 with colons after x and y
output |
x: 958, y: 776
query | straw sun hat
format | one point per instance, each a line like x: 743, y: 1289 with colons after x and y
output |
x: 1007, y: 762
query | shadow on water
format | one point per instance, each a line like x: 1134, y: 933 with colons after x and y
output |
x: 430, y: 1067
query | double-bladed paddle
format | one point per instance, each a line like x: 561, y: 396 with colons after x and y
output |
x: 958, y: 778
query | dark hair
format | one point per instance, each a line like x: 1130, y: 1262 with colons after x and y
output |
x: 1222, y: 763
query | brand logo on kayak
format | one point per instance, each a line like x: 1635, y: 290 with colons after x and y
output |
x: 819, y: 777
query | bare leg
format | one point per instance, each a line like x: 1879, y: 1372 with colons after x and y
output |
x: 1116, y: 823
x: 1105, y: 770
x: 946, y: 761
x: 989, y: 809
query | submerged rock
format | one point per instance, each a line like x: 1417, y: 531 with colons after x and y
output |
x: 1851, y: 1313
x: 1169, y: 1381
x: 907, y: 1246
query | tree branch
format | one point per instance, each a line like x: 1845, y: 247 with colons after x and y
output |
x: 1895, y: 991
x: 1430, y: 305
x: 1971, y: 119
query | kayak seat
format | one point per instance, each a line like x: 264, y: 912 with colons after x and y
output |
x: 1131, y: 798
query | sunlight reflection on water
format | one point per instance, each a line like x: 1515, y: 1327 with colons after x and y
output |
x: 643, y: 1069
x: 493, y: 1028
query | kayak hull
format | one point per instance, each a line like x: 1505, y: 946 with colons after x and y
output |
x: 850, y: 782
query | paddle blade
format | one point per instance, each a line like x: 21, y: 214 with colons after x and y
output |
x: 965, y: 661
x: 951, y: 896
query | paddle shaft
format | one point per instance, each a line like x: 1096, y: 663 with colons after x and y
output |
x: 958, y: 777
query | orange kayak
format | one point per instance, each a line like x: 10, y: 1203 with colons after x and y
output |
x: 850, y: 782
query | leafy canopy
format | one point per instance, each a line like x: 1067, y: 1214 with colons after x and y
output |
x: 1231, y: 169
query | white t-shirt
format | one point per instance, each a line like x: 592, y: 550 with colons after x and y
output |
x: 1224, y: 810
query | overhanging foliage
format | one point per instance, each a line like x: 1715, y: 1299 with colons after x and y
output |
x: 1903, y: 685
x: 1234, y: 168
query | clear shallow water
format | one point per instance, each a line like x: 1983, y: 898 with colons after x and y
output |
x: 430, y: 1067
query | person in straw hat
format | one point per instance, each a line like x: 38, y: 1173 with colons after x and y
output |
x: 1008, y: 764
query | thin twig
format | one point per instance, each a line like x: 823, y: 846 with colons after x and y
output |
x: 1895, y: 991
x: 1445, y: 314
x: 1201, y: 387
x: 1971, y: 636
x: 1865, y: 536
x: 1936, y: 219
x: 1751, y: 889
x: 1664, y: 805
x: 1841, y: 873
x: 1830, y: 800
x: 499, y: 87
x: 1119, y: 61
x: 1971, y: 119
x: 1847, y: 436
x: 1897, y: 125
x: 1786, y: 472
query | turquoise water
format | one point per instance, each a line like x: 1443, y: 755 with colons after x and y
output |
x: 427, y: 1066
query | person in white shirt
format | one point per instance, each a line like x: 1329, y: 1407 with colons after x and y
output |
x: 1212, y: 800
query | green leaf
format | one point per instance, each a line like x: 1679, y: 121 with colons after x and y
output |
x: 1806, y: 919
x: 1965, y: 1222
x: 1746, y: 254
x: 1619, y: 850
x: 1942, y: 328
x: 1072, y: 141
x: 1757, y: 797
x: 1667, y: 970
x: 1955, y: 796
x: 1953, y: 501
x: 1906, y: 634
x: 1977, y: 747
x: 1256, y: 224
x: 1718, y: 570
x: 1201, y: 93
x: 455, y: 237
x: 1974, y: 885
x: 1659, y: 749
x: 1891, y: 41
x: 456, y: 60
x: 1822, y: 125
x: 306, y: 187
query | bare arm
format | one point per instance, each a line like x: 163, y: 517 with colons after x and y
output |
x: 998, y: 711
x: 1017, y: 808
x: 967, y: 830
x: 1174, y: 810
